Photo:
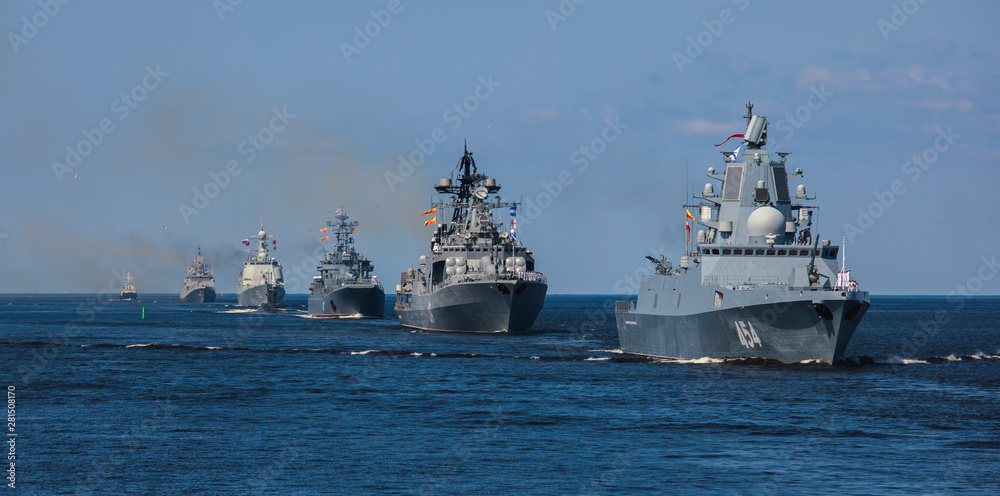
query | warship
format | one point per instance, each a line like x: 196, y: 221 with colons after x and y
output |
x: 755, y: 285
x: 260, y: 281
x: 345, y: 286
x: 199, y: 285
x: 128, y: 292
x: 477, y: 277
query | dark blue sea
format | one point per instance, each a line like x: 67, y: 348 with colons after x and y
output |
x: 161, y: 397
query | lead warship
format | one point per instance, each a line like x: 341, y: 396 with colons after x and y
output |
x: 755, y: 284
x: 478, y: 277
x: 345, y: 286
x: 260, y: 281
x: 128, y: 291
x: 199, y: 285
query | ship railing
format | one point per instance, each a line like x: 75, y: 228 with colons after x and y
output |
x: 740, y: 280
x: 531, y: 276
x: 625, y: 306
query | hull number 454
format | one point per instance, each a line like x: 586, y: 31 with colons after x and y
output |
x: 747, y: 334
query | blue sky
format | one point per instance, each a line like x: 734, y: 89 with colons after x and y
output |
x: 311, y: 115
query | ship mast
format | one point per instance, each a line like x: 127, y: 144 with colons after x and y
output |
x: 467, y: 179
x: 342, y: 229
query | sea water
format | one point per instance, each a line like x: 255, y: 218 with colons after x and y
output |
x: 161, y: 397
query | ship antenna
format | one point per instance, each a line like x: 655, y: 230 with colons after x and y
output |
x: 749, y: 111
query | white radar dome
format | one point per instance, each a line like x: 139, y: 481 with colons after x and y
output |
x: 765, y: 220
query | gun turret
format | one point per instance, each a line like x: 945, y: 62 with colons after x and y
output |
x: 662, y: 265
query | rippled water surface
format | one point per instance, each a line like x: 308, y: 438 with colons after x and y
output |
x: 160, y: 397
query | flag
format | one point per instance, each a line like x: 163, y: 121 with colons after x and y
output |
x: 322, y: 230
x: 688, y: 212
x: 352, y: 232
x: 350, y: 239
x: 431, y: 211
x: 432, y: 220
x: 324, y: 238
x: 736, y: 153
x: 246, y: 242
x: 513, y: 228
x: 513, y: 211
x: 275, y: 247
x: 729, y: 138
x: 687, y: 235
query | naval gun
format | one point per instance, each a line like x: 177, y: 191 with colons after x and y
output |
x: 662, y: 265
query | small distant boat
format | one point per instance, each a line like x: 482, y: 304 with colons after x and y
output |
x: 128, y: 292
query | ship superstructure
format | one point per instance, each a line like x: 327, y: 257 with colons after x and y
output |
x: 477, y: 276
x: 757, y: 283
x: 260, y: 282
x: 345, y: 286
x: 199, y: 285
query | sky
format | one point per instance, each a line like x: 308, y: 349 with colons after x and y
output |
x: 135, y: 131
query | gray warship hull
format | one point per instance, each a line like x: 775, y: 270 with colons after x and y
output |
x: 198, y: 295
x: 788, y: 326
x: 256, y: 296
x: 348, y: 301
x: 504, y: 306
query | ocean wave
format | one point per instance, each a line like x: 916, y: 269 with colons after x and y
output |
x: 612, y: 356
x: 898, y: 360
x: 307, y: 315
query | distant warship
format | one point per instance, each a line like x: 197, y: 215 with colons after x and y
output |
x: 477, y: 277
x: 128, y: 292
x: 199, y: 285
x: 345, y: 285
x: 260, y: 281
x: 755, y: 284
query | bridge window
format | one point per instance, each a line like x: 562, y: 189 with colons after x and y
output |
x: 781, y: 252
x: 727, y: 251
